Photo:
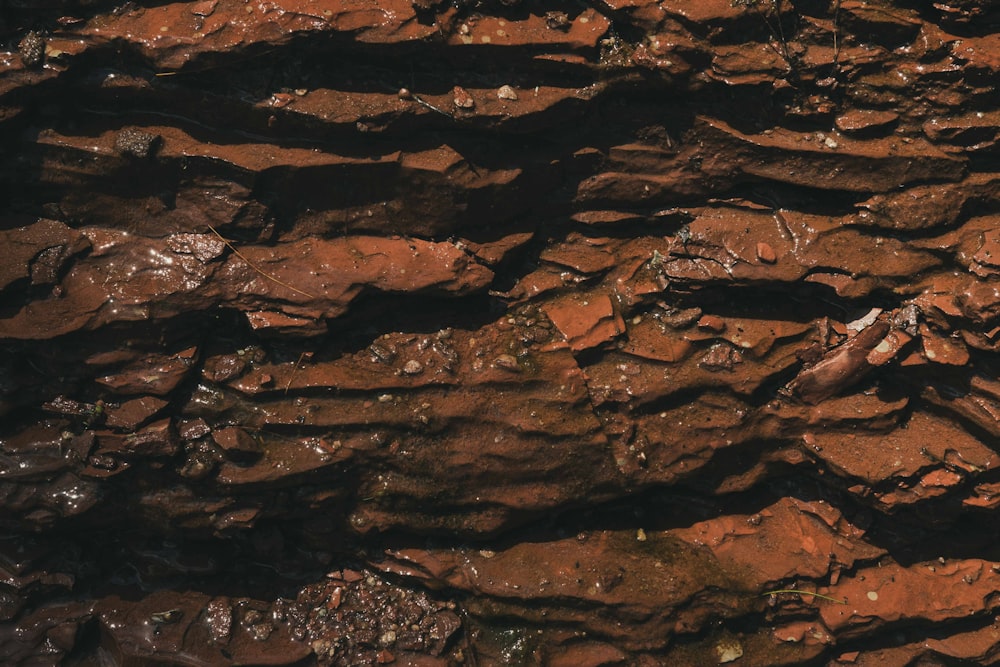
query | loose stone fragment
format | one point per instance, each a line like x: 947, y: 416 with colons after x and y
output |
x: 505, y: 92
x: 462, y: 99
x: 765, y: 253
x: 135, y: 142
x: 729, y: 651
x: 712, y: 323
x: 32, y: 49
x: 413, y: 367
x: 888, y: 347
x: 557, y: 21
x: 506, y: 361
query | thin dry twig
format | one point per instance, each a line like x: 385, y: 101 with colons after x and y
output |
x: 836, y: 35
x: 257, y: 268
x: 776, y: 29
x: 295, y: 370
x: 798, y: 592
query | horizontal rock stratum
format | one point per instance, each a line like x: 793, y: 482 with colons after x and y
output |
x: 499, y: 333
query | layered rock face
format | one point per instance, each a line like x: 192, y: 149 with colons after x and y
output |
x: 500, y: 333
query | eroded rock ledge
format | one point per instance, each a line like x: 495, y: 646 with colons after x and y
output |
x: 420, y: 333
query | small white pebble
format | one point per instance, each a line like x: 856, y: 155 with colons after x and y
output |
x: 505, y: 92
x: 506, y: 361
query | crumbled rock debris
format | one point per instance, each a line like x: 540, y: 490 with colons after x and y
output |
x: 32, y: 49
x: 135, y: 142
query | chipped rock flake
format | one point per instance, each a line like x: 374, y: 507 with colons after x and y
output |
x: 204, y: 8
x: 585, y: 321
x: 505, y: 92
x: 507, y: 362
x: 729, y: 651
x: 462, y: 99
x: 765, y: 253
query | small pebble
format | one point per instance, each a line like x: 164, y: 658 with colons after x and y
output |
x: 505, y: 92
x: 507, y: 361
x: 557, y: 21
x: 712, y: 323
x: 765, y: 253
x: 413, y: 367
x: 281, y: 100
x: 463, y: 100
x: 204, y: 8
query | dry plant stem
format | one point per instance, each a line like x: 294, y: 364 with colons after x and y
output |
x: 214, y: 67
x: 798, y: 592
x: 424, y: 103
x: 777, y: 33
x: 255, y: 267
x: 836, y: 35
x: 295, y: 370
x: 781, y: 29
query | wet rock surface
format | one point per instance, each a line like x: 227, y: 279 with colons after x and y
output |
x: 499, y: 333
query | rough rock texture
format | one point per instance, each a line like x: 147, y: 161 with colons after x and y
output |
x: 500, y: 333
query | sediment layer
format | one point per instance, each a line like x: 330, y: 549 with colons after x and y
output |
x: 425, y: 333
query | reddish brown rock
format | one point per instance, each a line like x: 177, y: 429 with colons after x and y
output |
x: 860, y: 121
x: 585, y: 321
x: 39, y: 252
x: 841, y: 367
x: 429, y: 333
x: 132, y: 413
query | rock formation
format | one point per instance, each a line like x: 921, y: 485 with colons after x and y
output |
x: 500, y: 332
